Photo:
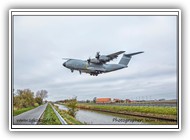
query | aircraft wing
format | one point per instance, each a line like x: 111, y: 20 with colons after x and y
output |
x: 66, y: 58
x: 113, y: 55
x: 102, y: 59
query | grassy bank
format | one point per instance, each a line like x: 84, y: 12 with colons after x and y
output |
x: 22, y: 110
x: 169, y: 113
x: 68, y: 118
x: 49, y: 117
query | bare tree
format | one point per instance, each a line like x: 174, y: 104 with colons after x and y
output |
x: 42, y: 94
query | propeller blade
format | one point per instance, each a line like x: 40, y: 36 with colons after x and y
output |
x: 98, y: 55
x: 88, y: 60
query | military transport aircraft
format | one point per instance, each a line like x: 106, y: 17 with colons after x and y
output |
x: 98, y: 64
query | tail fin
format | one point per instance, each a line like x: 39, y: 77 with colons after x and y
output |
x: 127, y: 57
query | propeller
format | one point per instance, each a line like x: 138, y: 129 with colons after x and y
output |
x: 98, y: 55
x: 89, y: 60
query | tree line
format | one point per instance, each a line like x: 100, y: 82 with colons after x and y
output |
x: 26, y: 98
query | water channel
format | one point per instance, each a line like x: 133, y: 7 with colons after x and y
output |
x: 96, y: 117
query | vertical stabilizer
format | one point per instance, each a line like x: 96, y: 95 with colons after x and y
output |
x: 127, y: 57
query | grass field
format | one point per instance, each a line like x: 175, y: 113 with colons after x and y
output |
x: 20, y: 111
x: 169, y: 113
x: 49, y: 117
x: 142, y: 109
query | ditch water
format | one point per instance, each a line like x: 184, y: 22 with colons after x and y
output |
x: 96, y: 117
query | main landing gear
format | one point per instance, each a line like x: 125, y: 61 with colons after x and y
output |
x: 95, y: 73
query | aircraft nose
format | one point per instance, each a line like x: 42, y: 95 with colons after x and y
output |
x: 64, y: 64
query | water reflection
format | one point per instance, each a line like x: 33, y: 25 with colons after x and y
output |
x: 96, y: 117
x: 61, y: 107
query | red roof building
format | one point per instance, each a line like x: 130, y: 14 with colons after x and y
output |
x: 127, y: 100
x: 103, y: 100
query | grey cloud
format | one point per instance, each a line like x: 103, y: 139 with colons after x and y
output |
x: 41, y: 42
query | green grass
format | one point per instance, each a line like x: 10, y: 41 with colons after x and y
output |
x: 49, y: 117
x: 20, y: 111
x: 140, y: 109
x: 68, y: 118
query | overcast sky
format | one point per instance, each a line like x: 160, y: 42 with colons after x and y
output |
x: 40, y: 43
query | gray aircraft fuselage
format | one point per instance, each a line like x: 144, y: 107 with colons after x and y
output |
x: 97, y: 68
x: 84, y: 66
